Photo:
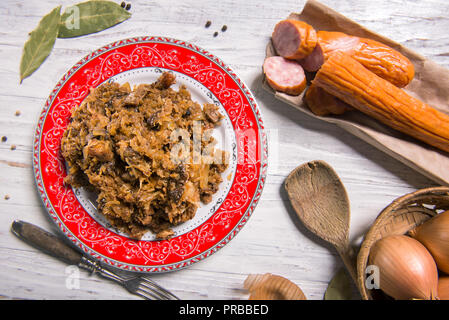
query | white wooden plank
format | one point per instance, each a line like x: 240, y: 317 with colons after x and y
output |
x: 273, y: 240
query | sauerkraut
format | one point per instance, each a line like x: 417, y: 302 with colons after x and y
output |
x: 135, y: 148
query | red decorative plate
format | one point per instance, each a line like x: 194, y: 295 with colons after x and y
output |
x: 141, y: 60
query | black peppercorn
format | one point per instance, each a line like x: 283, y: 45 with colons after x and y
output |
x: 215, y: 33
x: 4, y: 138
x: 224, y: 28
x: 208, y: 23
x: 187, y: 113
x: 128, y: 6
x: 123, y: 4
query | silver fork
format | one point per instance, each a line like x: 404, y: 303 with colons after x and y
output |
x: 140, y: 285
x: 51, y: 244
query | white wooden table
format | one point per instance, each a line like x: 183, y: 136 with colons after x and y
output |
x: 273, y: 240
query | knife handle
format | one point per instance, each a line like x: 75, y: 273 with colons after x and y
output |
x: 45, y: 241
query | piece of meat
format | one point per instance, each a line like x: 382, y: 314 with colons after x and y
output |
x: 284, y: 75
x: 377, y: 57
x: 313, y: 61
x: 165, y: 234
x: 176, y: 184
x: 135, y: 97
x: 322, y: 103
x: 175, y: 191
x: 206, y: 197
x: 182, y: 173
x: 294, y: 39
x: 102, y: 150
x: 165, y: 81
x: 152, y: 121
x: 132, y: 99
x: 212, y: 113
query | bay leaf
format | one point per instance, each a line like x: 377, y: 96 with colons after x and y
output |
x: 339, y: 287
x: 90, y: 17
x: 40, y: 43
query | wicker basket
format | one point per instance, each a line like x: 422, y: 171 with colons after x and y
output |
x: 402, y: 215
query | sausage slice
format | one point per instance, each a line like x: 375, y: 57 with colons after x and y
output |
x: 284, y: 75
x: 294, y: 39
x: 328, y: 42
x: 313, y: 61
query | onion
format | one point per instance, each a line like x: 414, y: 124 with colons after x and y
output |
x: 443, y: 288
x: 272, y: 287
x: 434, y: 235
x: 406, y: 268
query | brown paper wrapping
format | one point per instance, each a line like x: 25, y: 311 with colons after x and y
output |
x: 430, y: 84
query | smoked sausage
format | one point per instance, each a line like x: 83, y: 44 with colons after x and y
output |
x: 284, y: 75
x: 294, y: 39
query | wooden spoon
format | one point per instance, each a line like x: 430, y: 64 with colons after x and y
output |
x: 321, y: 203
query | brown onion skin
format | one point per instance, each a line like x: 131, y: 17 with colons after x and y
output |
x: 272, y: 287
x: 434, y: 235
x: 407, y: 269
x: 443, y: 288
